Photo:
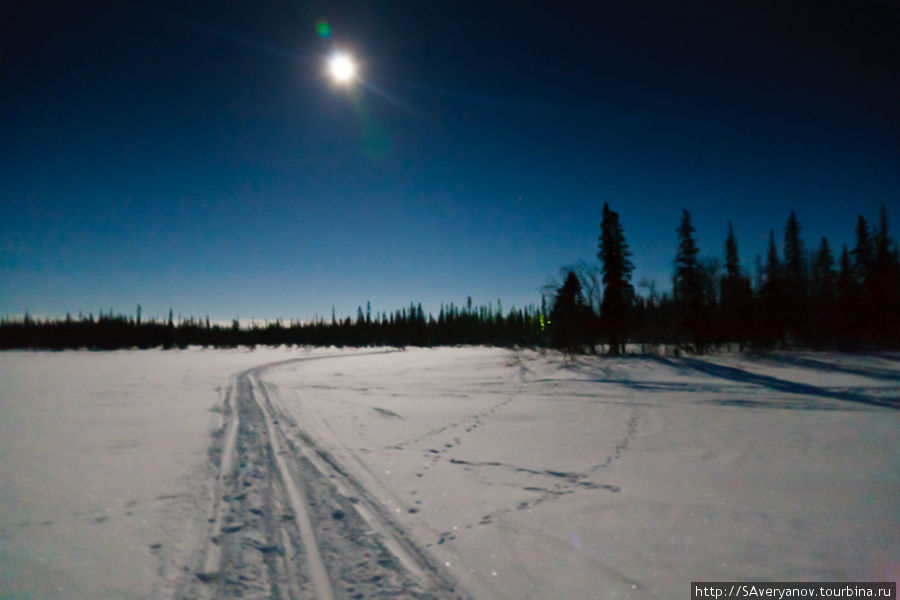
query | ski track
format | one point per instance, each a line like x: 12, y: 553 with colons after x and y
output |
x: 286, y: 522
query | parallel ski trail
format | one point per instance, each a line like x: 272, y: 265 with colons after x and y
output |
x: 296, y: 493
x: 408, y: 556
x: 285, y: 522
x: 212, y: 563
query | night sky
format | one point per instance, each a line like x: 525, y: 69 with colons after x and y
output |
x: 195, y: 155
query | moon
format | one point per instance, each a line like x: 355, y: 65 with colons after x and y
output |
x: 342, y: 68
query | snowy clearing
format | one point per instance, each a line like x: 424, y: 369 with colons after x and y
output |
x: 451, y: 472
x: 104, y: 462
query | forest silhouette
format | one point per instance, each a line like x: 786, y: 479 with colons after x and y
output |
x: 799, y: 299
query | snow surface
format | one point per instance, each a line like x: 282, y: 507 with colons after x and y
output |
x: 102, y: 457
x: 531, y: 477
x: 522, y: 475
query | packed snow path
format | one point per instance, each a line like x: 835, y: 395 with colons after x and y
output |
x: 289, y: 523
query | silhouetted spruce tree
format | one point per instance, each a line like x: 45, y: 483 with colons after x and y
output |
x: 418, y: 326
x: 794, y: 281
x: 847, y: 305
x: 618, y: 293
x: 568, y: 319
x: 736, y: 297
x: 884, y: 289
x: 862, y: 252
x: 771, y: 298
x: 863, y: 271
x: 822, y: 296
x: 732, y: 262
x: 170, y: 337
x: 711, y: 269
x: 689, y: 290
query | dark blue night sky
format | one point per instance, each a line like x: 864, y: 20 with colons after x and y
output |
x: 196, y: 156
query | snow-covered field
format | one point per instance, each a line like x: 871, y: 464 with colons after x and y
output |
x: 103, y: 455
x: 491, y: 473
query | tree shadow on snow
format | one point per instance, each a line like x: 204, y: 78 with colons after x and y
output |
x: 597, y: 372
x: 772, y: 383
x: 812, y: 363
x: 888, y: 356
x: 811, y: 404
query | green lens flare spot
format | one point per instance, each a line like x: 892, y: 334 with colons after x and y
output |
x: 323, y: 29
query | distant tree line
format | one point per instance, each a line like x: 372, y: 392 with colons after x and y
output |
x: 798, y: 299
x: 454, y: 325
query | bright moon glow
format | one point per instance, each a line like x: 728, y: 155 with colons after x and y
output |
x: 342, y: 68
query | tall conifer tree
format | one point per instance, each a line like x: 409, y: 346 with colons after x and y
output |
x: 848, y: 317
x: 689, y: 287
x: 736, y: 296
x: 794, y: 280
x: 862, y: 253
x: 822, y: 295
x: 771, y: 297
x: 568, y: 319
x: 884, y: 287
x: 864, y: 274
x: 618, y: 293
